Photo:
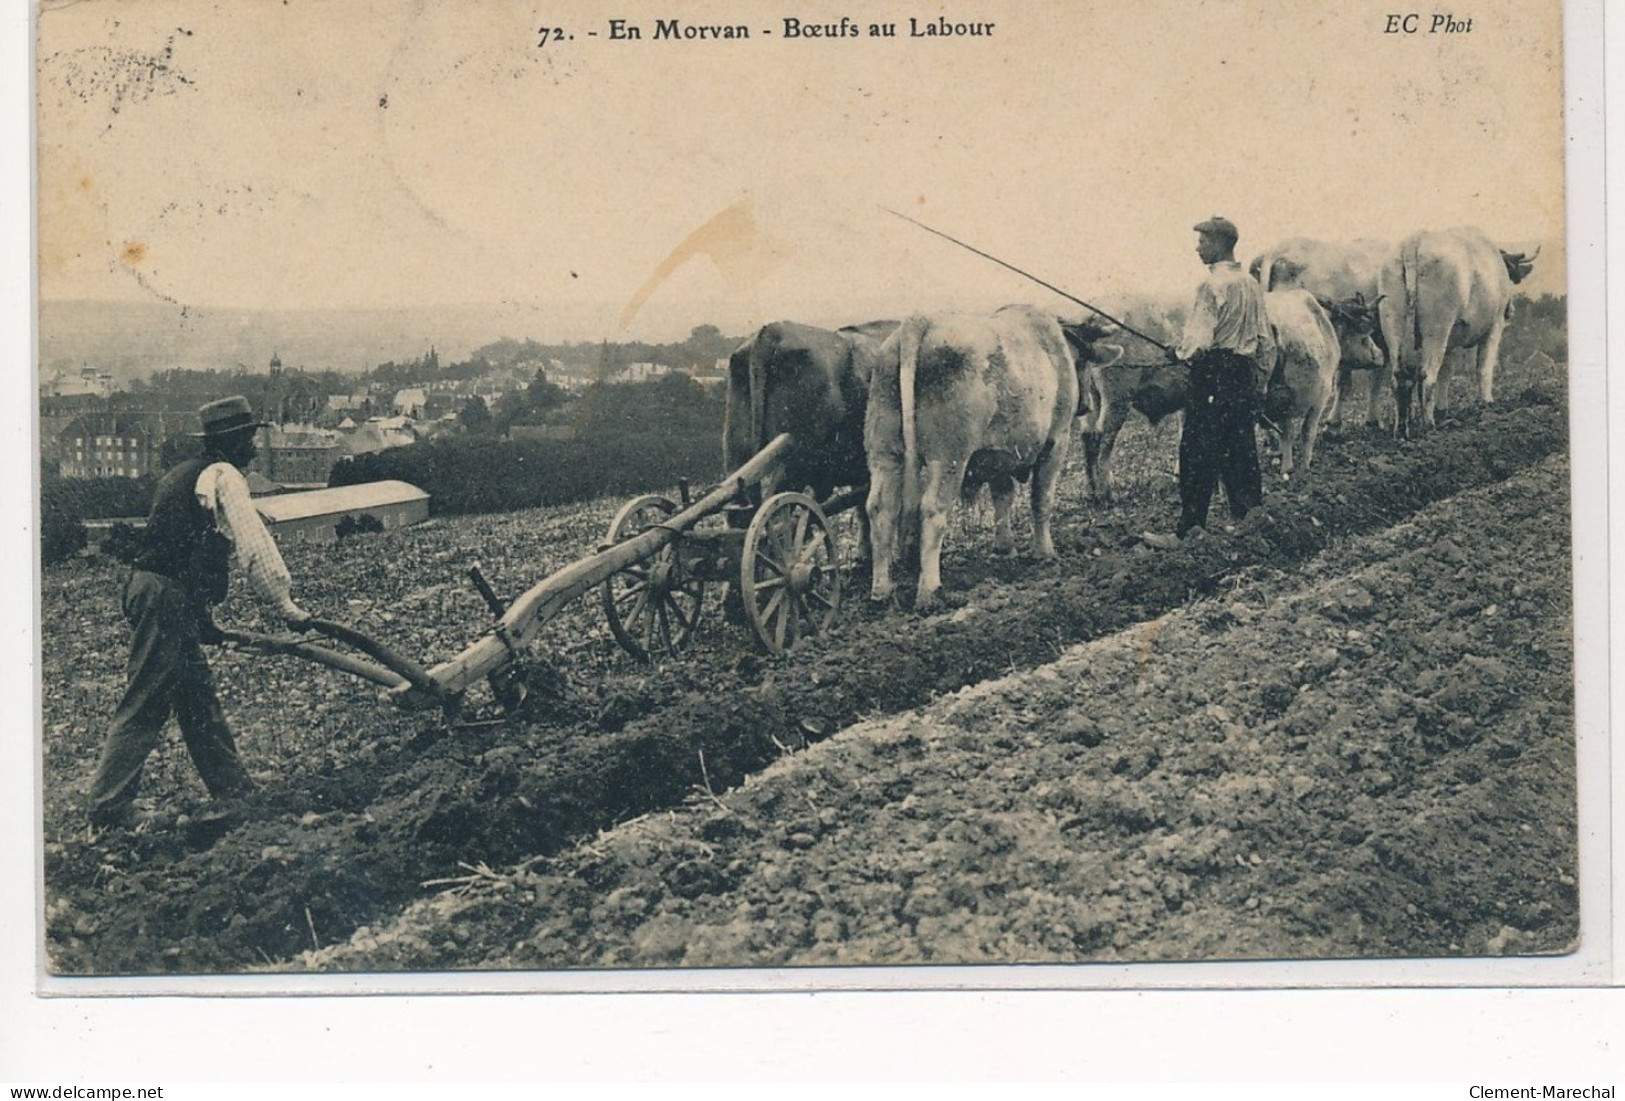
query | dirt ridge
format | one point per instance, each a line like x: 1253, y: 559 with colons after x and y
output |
x: 1267, y: 773
x: 274, y: 887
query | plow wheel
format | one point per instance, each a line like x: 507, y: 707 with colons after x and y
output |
x: 652, y: 606
x: 790, y: 574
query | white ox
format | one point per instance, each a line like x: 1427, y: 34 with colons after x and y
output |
x: 992, y: 397
x: 1308, y: 353
x: 1446, y: 295
x: 1347, y: 274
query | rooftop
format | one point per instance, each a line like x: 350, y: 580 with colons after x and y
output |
x: 324, y: 502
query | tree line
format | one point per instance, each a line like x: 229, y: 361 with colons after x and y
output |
x: 66, y: 503
x: 625, y: 438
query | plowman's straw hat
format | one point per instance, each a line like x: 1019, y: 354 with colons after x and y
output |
x: 227, y: 416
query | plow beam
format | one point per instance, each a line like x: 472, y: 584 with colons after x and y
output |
x: 527, y: 615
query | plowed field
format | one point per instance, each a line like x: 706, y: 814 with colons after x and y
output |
x: 1344, y: 729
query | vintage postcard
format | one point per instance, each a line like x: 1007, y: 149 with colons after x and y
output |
x: 510, y: 508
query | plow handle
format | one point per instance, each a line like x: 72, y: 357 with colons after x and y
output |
x: 321, y: 655
x: 409, y: 671
x: 476, y: 575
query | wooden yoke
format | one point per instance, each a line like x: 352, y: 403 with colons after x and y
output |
x: 527, y: 615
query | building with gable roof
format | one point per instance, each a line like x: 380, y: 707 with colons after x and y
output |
x: 317, y: 514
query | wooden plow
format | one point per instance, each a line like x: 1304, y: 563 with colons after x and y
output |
x: 651, y: 571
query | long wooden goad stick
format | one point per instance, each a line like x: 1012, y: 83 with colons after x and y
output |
x: 1153, y: 341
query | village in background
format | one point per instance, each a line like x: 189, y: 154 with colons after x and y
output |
x: 515, y: 424
x: 106, y: 438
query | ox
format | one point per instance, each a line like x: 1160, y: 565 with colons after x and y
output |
x: 1092, y: 356
x: 1304, y: 381
x: 1296, y: 386
x: 989, y: 398
x: 1108, y: 392
x: 814, y: 384
x: 1346, y: 274
x: 1446, y: 295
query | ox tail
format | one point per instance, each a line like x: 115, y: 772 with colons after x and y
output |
x: 1091, y: 396
x: 760, y: 353
x: 908, y: 348
x: 1409, y: 261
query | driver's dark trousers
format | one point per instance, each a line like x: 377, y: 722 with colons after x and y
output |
x: 1218, y: 444
x: 167, y: 673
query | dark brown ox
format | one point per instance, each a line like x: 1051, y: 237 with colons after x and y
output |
x: 1447, y: 297
x: 989, y: 397
x: 812, y: 383
x: 1109, y: 392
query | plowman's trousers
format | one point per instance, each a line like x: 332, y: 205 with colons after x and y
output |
x: 167, y: 674
x: 1218, y: 443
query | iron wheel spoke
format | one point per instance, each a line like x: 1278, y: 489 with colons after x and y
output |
x: 646, y: 639
x: 773, y: 604
x: 803, y: 517
x: 685, y: 622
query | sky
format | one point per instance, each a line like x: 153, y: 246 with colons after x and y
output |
x: 367, y: 155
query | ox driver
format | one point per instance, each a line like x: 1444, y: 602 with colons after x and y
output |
x: 201, y: 518
x: 1229, y: 350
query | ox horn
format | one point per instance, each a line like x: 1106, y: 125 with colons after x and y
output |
x: 1519, y: 264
